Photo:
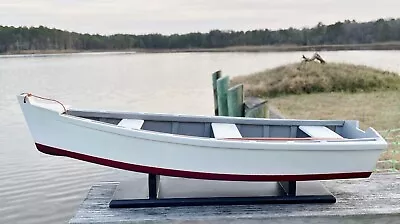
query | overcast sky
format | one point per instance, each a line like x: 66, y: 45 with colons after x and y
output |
x: 182, y: 16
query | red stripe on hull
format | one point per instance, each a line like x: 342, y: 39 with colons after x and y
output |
x: 196, y: 175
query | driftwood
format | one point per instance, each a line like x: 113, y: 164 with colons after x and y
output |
x: 316, y: 56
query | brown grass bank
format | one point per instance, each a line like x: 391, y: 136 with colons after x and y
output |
x: 300, y: 78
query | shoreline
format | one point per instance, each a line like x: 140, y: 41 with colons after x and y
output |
x: 250, y: 49
x: 283, y: 48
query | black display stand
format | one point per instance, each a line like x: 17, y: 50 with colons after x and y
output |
x: 190, y: 192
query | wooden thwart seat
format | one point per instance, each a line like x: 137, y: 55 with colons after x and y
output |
x: 224, y: 130
x: 131, y: 123
x: 319, y: 132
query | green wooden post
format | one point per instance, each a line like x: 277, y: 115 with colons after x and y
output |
x: 215, y: 76
x: 256, y: 107
x: 235, y: 101
x: 258, y: 112
x: 222, y: 88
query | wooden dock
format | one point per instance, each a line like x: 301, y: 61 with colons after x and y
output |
x: 372, y: 200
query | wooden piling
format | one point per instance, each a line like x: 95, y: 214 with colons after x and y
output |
x: 235, y: 101
x: 222, y: 89
x: 215, y: 76
x: 255, y: 107
x: 232, y: 102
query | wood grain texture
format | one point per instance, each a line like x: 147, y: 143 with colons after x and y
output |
x: 373, y: 200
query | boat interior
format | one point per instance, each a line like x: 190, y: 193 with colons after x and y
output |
x: 229, y: 127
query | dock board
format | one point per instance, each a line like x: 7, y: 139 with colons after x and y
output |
x: 372, y: 200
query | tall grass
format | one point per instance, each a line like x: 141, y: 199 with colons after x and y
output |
x: 313, y: 77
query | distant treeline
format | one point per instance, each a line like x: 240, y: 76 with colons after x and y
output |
x: 14, y: 39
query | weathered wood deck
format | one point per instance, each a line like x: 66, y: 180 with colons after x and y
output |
x: 373, y: 200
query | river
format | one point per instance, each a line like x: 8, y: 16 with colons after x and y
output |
x: 38, y: 188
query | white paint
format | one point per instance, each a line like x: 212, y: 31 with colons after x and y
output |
x: 223, y: 130
x: 162, y: 150
x: 131, y: 123
x: 319, y: 132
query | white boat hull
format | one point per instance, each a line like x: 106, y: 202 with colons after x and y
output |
x: 165, y: 154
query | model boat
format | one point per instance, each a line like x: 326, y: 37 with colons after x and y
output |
x: 204, y: 147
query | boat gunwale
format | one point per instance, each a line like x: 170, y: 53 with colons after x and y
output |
x: 374, y: 143
x: 199, y: 118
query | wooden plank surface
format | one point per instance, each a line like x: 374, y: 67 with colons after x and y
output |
x: 373, y: 200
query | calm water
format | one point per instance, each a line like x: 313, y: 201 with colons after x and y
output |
x: 37, y: 188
